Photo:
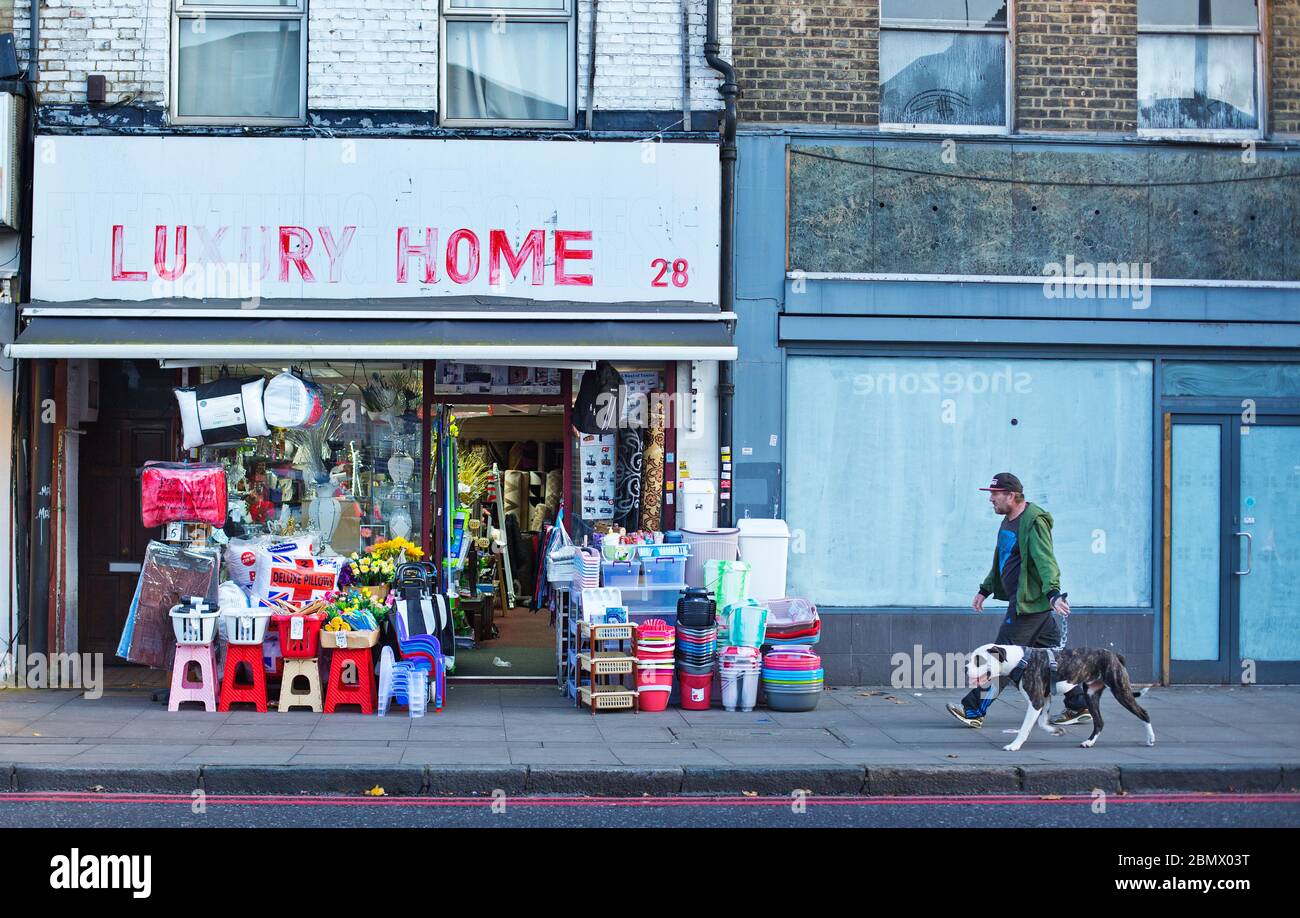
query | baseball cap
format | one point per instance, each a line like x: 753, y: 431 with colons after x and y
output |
x: 1005, y: 481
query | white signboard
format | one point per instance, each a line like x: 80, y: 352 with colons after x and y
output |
x: 129, y: 218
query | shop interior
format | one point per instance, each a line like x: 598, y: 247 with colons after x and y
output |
x: 460, y: 465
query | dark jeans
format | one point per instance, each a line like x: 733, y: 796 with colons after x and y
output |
x: 1037, y: 629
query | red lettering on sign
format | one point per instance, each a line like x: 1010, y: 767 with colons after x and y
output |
x: 405, y: 250
x: 453, y: 256
x: 336, y: 252
x: 160, y: 253
x: 297, y: 255
x: 499, y: 247
x: 563, y: 253
x: 118, y: 273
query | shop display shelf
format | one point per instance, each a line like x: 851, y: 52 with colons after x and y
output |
x: 607, y: 663
x: 607, y: 698
x: 607, y: 632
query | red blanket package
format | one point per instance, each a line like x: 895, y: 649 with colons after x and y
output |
x: 172, y: 492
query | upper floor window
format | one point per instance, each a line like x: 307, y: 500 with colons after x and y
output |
x: 1198, y: 66
x: 239, y: 62
x: 944, y: 63
x: 508, y: 62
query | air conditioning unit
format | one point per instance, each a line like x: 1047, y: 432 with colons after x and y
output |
x: 11, y: 139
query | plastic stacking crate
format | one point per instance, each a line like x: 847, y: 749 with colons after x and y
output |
x: 301, y: 642
x: 607, y: 698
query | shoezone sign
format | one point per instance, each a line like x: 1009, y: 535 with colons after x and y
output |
x: 131, y: 218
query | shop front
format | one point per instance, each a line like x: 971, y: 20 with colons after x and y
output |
x: 926, y: 330
x: 378, y: 345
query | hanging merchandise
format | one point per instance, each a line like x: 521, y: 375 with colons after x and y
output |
x: 652, y: 475
x: 172, y: 492
x: 627, y: 478
x: 596, y: 456
x: 169, y: 575
x: 222, y: 411
x: 595, y: 411
x: 291, y: 401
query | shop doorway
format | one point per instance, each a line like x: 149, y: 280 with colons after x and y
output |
x: 509, y: 461
x: 136, y: 424
x: 1232, y: 513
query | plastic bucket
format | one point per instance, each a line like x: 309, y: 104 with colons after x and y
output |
x: 653, y: 697
x: 739, y: 691
x: 696, y: 690
x: 708, y: 545
x: 728, y: 581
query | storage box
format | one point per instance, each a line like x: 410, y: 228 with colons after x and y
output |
x: 622, y: 574
x: 665, y: 571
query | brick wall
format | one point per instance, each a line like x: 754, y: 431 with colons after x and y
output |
x: 368, y: 55
x: 1076, y: 66
x: 1285, y: 53
x: 808, y: 62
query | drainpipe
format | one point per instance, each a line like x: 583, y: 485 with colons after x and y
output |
x: 591, y: 66
x: 726, y: 298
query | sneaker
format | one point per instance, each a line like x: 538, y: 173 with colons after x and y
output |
x: 1067, y: 718
x: 959, y: 713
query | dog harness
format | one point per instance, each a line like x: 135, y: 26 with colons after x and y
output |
x: 1018, y: 671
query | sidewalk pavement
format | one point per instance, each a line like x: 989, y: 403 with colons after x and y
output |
x: 530, y: 739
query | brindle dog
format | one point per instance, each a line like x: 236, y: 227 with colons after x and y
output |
x: 1094, y: 669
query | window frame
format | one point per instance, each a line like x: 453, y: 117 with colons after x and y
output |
x: 568, y: 15
x: 1008, y: 76
x: 184, y: 11
x: 1261, y: 81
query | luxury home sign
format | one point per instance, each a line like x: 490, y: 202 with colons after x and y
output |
x: 130, y: 218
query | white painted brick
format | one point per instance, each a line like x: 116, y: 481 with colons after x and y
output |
x: 363, y: 57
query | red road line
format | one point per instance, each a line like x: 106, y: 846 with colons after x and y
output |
x: 511, y: 801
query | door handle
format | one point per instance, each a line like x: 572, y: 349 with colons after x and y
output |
x: 1250, y: 543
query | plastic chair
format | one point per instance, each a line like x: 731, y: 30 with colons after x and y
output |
x: 423, y: 651
x: 407, y: 682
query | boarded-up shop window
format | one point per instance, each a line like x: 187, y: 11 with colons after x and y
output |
x: 943, y: 62
x: 1198, y: 65
x: 885, y: 457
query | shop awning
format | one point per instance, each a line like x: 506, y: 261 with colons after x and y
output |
x: 253, y: 337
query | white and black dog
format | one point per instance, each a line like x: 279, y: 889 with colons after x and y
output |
x: 1094, y: 669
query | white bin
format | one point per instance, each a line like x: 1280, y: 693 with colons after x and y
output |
x: 696, y: 497
x: 765, y: 544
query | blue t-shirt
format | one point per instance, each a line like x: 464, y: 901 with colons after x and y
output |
x: 1009, y: 558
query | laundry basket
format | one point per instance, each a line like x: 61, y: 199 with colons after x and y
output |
x: 708, y: 545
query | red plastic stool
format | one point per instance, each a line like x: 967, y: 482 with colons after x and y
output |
x: 360, y: 691
x: 231, y: 690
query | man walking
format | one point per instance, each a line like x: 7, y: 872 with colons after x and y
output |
x: 1026, y: 576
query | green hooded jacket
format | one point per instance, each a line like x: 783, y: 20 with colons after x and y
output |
x: 1040, y: 578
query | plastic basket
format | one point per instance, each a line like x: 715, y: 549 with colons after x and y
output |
x: 307, y: 644
x: 245, y: 626
x: 662, y: 550
x: 194, y: 627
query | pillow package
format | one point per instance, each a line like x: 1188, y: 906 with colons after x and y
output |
x: 292, y: 402
x: 222, y: 411
x: 248, y: 561
x: 182, y: 492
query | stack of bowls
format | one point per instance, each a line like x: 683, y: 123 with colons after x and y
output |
x: 792, y: 679
x: 655, y: 650
x: 697, y: 654
x: 741, y: 668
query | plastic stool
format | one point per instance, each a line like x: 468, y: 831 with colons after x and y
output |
x: 234, y: 691
x: 205, y: 690
x: 362, y: 691
x: 404, y: 681
x: 292, y: 698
